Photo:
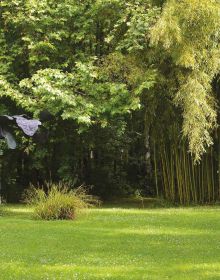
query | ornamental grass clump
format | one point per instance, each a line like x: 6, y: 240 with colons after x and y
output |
x: 58, y: 201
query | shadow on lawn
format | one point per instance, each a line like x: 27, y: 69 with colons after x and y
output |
x: 150, y: 203
x: 117, y: 244
x: 119, y: 255
x: 16, y: 211
x: 132, y: 202
x: 24, y: 211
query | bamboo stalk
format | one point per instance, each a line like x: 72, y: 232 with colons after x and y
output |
x: 155, y: 171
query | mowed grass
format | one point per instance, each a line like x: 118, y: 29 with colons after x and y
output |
x: 112, y: 243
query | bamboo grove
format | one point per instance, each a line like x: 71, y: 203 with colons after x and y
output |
x: 184, y: 182
x: 131, y: 89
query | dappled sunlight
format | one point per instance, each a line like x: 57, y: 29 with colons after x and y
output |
x: 165, y: 231
x: 112, y: 244
x: 20, y: 209
x: 60, y: 271
x: 202, y: 270
x: 190, y: 211
x: 21, y: 270
x: 200, y: 266
x: 123, y: 271
x: 17, y: 211
x: 150, y: 230
x: 92, y: 270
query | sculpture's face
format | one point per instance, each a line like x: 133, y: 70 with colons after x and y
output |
x: 28, y: 126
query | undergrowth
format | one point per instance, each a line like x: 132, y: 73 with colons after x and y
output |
x: 58, y: 201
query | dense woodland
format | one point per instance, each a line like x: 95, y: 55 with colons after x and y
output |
x: 131, y: 91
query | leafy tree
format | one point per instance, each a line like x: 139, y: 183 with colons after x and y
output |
x: 127, y: 83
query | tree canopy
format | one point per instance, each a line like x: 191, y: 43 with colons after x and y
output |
x: 121, y: 79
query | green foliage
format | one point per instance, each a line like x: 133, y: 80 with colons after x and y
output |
x: 58, y: 202
x: 199, y: 114
x: 119, y: 77
x: 131, y: 32
x: 188, y: 31
x: 80, y: 96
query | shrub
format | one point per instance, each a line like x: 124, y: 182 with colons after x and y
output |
x: 58, y: 201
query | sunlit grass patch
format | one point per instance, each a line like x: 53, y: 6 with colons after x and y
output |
x: 112, y: 243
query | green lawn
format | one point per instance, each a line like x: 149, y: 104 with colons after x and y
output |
x: 112, y: 243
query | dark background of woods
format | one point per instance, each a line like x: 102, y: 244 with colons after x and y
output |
x: 141, y: 150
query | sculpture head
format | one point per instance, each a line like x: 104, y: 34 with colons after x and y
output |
x: 10, y: 123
